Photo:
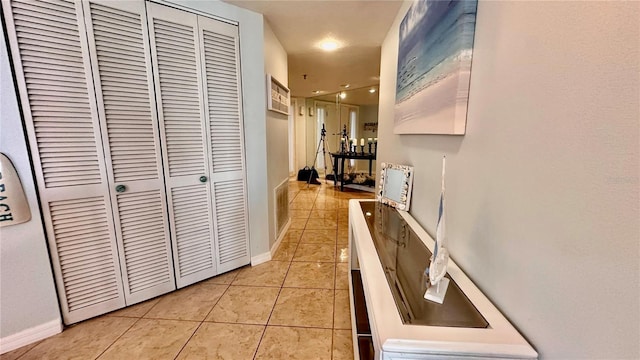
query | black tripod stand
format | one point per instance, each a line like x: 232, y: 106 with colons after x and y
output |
x: 325, y: 150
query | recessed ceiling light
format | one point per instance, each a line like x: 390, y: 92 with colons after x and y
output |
x: 329, y: 44
x: 316, y: 91
x: 346, y: 86
x: 372, y: 90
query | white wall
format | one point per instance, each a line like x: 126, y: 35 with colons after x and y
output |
x: 275, y: 63
x: 254, y: 103
x: 542, y: 191
x: 291, y: 137
x: 27, y: 292
x: 300, y: 130
x: 311, y: 135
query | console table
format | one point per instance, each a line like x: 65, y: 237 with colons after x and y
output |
x: 388, y: 252
x: 341, y: 156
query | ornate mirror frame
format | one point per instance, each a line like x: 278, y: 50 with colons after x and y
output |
x: 396, y: 182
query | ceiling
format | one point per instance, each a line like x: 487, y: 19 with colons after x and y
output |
x: 360, y: 27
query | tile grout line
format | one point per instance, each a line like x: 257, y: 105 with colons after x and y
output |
x: 304, y: 327
x: 205, y: 317
x: 130, y: 327
x: 25, y: 353
x: 124, y: 332
x: 189, y: 339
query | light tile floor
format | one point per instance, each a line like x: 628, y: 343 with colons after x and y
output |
x: 295, y: 306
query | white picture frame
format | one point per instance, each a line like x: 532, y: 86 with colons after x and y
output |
x: 396, y: 183
x: 278, y: 96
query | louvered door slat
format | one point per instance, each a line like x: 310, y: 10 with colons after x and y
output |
x: 96, y: 275
x: 68, y: 213
x: 80, y: 247
x: 60, y: 22
x: 62, y: 8
x: 192, y: 240
x: 126, y: 104
x: 144, y: 242
x: 56, y: 37
x: 52, y: 65
x: 146, y: 267
x: 81, y: 262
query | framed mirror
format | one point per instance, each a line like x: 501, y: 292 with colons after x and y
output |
x: 357, y: 110
x: 396, y: 182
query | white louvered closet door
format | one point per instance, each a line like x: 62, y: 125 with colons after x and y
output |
x: 223, y: 105
x: 121, y: 58
x: 52, y: 66
x: 177, y: 69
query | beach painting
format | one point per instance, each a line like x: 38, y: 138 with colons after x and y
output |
x: 434, y: 67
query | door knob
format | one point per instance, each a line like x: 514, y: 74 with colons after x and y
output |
x: 121, y: 188
x: 203, y: 179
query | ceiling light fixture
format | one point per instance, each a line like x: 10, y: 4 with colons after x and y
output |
x: 346, y: 86
x: 329, y: 45
x: 372, y: 90
x: 316, y: 91
x: 343, y: 95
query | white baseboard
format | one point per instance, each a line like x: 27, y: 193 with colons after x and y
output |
x: 264, y: 257
x: 30, y: 335
x: 279, y: 240
x: 260, y: 258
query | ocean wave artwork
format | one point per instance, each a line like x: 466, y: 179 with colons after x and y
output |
x: 434, y: 67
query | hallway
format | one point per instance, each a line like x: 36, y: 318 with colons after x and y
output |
x: 295, y: 306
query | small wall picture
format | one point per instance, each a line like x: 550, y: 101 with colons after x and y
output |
x: 278, y: 98
x: 371, y: 126
x: 434, y: 67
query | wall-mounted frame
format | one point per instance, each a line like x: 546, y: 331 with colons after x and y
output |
x: 371, y: 126
x: 434, y: 67
x: 396, y: 182
x: 278, y: 96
